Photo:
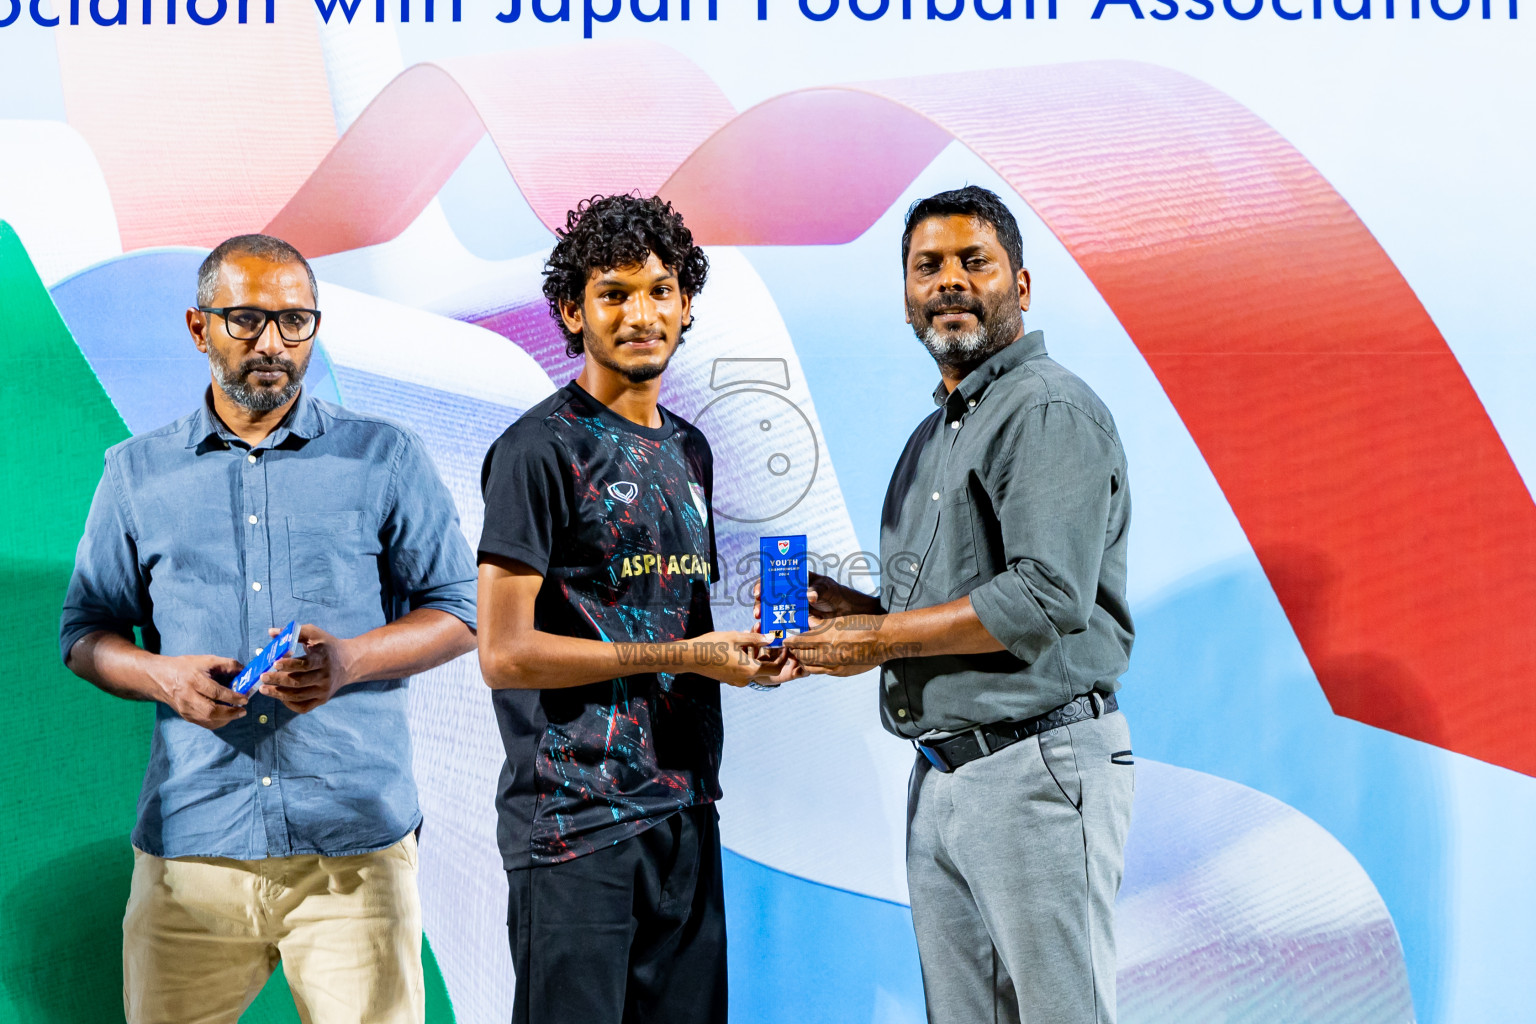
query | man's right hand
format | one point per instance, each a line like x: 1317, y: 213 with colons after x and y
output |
x: 829, y: 599
x: 731, y: 657
x: 190, y: 685
x: 826, y: 598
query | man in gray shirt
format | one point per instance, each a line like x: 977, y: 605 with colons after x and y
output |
x: 1001, y: 632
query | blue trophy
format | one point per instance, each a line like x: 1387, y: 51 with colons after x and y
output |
x: 786, y: 609
x: 280, y: 647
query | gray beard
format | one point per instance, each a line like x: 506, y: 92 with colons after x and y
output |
x: 969, y: 350
x: 257, y: 399
x: 956, y: 349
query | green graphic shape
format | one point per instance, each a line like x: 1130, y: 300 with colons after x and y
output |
x: 72, y: 758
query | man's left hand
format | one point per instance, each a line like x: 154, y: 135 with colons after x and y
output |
x: 304, y: 684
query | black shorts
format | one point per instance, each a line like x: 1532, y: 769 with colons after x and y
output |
x: 630, y: 934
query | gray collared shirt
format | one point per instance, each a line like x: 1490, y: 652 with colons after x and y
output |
x: 1013, y: 492
x: 203, y: 542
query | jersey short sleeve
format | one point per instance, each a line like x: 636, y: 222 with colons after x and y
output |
x: 525, y: 496
x: 703, y: 462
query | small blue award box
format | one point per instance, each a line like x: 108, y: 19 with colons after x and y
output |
x: 270, y: 655
x: 785, y: 610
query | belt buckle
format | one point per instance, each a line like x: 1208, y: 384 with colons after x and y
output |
x: 935, y: 757
x: 981, y: 741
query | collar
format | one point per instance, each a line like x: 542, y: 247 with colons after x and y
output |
x: 303, y: 420
x: 968, y: 392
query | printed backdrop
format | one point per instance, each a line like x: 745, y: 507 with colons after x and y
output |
x: 1289, y: 246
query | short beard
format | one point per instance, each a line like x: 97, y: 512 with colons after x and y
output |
x: 961, y: 353
x: 258, y: 399
x: 641, y: 374
x: 633, y: 374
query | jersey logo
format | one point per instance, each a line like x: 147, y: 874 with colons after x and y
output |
x: 625, y: 491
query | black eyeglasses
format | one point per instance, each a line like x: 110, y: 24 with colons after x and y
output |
x: 246, y: 323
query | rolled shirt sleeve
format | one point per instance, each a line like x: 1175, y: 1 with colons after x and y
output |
x: 429, y: 560
x: 1052, y: 490
x: 107, y: 591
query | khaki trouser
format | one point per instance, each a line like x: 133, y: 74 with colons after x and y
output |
x: 202, y: 935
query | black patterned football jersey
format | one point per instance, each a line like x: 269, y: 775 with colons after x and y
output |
x: 616, y: 517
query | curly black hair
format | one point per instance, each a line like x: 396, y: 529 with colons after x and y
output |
x: 606, y: 232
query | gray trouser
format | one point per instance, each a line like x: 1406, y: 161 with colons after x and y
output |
x: 1013, y: 862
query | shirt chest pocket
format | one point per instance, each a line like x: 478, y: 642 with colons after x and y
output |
x: 972, y: 537
x: 330, y: 558
x: 960, y: 544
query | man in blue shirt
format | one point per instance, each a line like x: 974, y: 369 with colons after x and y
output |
x: 278, y: 825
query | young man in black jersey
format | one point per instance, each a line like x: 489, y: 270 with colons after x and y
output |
x: 595, y: 634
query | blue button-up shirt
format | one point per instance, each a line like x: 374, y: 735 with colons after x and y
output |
x: 203, y: 542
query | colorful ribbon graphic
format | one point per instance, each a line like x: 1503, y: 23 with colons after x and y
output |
x: 1370, y: 481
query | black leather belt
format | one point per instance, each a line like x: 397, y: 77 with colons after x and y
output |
x: 953, y: 751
